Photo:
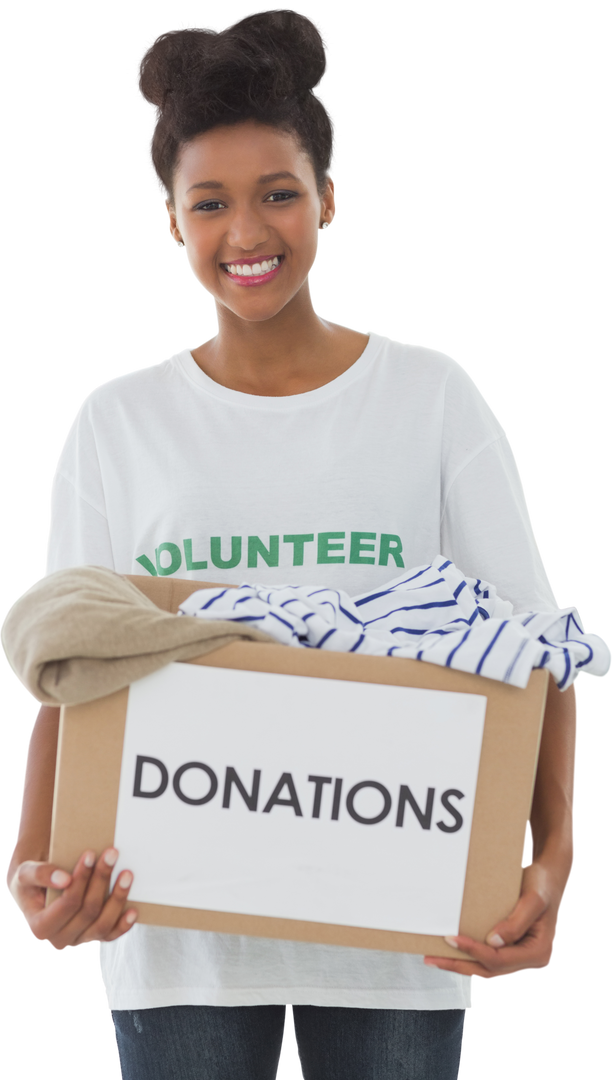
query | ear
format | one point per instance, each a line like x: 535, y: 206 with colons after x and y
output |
x: 171, y: 223
x: 329, y: 202
x: 332, y: 187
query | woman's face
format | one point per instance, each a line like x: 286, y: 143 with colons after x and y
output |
x: 246, y: 195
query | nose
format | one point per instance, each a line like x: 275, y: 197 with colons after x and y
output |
x: 246, y: 231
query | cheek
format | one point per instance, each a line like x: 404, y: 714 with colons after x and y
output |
x: 201, y: 252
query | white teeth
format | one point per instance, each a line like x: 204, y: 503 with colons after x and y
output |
x: 253, y: 269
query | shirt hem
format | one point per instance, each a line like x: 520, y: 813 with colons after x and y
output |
x: 448, y: 998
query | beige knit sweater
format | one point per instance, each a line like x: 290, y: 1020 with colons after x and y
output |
x: 83, y: 633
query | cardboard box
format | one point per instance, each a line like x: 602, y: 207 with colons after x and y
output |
x: 90, y: 759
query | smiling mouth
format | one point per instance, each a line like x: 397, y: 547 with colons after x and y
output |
x: 254, y: 273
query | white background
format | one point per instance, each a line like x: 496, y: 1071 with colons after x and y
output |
x: 278, y: 863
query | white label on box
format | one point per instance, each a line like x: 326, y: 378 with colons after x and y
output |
x: 299, y: 798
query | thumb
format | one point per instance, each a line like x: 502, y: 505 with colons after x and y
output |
x: 529, y: 908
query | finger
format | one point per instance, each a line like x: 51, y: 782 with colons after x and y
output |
x: 533, y: 950
x: 35, y: 875
x: 479, y: 952
x: 122, y: 926
x: 529, y: 908
x: 30, y: 883
x: 53, y: 919
x: 92, y: 901
x: 466, y: 968
x: 114, y: 919
x: 494, y: 959
x: 63, y: 920
x: 519, y: 961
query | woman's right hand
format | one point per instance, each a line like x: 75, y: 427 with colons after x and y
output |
x: 81, y: 913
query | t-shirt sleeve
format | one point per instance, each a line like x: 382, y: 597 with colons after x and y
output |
x: 79, y: 534
x: 485, y: 527
x: 486, y: 530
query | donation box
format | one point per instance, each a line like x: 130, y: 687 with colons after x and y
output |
x: 372, y: 802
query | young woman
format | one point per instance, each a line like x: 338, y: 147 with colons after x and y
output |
x: 301, y: 435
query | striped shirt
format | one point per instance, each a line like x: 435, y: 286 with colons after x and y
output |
x: 430, y: 613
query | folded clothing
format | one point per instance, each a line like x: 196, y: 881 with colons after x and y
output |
x: 82, y: 633
x: 430, y: 613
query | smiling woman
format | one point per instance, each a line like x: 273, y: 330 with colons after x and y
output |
x: 238, y: 122
x: 309, y: 453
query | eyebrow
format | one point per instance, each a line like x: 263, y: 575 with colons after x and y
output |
x: 269, y: 178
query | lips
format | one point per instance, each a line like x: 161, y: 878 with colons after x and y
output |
x: 261, y: 280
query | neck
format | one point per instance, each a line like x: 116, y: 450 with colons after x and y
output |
x: 291, y: 353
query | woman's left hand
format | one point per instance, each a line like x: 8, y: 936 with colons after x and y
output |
x: 523, y: 940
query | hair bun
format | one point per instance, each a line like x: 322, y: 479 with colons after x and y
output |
x: 263, y: 69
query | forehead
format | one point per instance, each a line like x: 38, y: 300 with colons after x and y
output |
x: 241, y: 153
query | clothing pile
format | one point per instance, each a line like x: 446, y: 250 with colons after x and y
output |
x: 83, y: 633
x: 430, y: 613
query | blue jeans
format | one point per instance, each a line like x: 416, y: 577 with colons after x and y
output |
x: 212, y: 1042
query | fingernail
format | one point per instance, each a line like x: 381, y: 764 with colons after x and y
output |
x: 60, y: 878
x: 125, y: 879
x: 89, y: 859
x: 131, y: 917
x: 111, y: 857
x: 452, y: 941
x: 495, y: 940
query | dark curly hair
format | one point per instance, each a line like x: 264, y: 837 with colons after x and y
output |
x: 263, y: 68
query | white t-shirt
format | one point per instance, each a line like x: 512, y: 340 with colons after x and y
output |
x: 399, y: 458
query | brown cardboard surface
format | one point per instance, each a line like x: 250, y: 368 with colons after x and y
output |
x: 89, y: 762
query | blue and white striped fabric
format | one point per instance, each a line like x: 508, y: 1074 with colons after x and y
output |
x: 430, y: 613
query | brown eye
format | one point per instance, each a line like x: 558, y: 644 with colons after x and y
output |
x: 281, y: 196
x: 215, y: 202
